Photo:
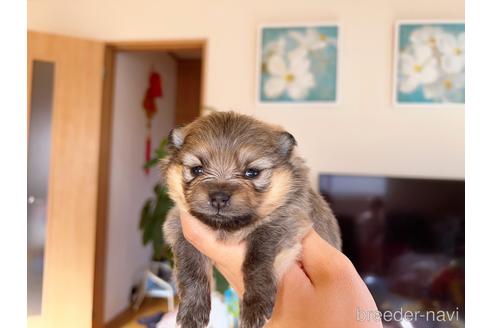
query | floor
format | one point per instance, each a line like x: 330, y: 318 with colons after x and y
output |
x: 149, y: 306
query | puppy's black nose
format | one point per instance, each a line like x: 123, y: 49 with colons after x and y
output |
x: 219, y: 199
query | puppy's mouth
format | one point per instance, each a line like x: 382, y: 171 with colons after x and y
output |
x: 220, y: 221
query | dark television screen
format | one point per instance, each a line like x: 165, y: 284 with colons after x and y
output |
x: 406, y: 238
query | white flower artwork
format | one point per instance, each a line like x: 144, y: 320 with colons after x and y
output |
x: 298, y: 64
x: 430, y: 63
x: 312, y: 39
x: 293, y: 76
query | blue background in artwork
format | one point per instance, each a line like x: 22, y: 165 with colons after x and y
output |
x: 404, y: 37
x: 323, y: 64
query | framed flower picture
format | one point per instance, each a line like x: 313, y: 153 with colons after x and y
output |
x: 429, y: 63
x: 298, y: 64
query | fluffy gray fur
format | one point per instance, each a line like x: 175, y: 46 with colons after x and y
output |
x: 242, y: 178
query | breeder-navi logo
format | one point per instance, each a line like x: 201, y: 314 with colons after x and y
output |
x: 408, y: 316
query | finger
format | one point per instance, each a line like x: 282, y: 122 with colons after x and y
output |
x: 293, y: 291
x: 197, y: 233
x: 233, y: 274
x: 320, y: 260
x: 295, y: 279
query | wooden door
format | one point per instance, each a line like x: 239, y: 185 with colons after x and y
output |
x: 71, y: 206
x: 188, y: 90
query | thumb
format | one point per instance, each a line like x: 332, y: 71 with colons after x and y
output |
x: 205, y: 240
x: 197, y: 233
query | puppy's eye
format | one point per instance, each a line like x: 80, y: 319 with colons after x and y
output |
x: 197, y: 170
x: 251, y: 173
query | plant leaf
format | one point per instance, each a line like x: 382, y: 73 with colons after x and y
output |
x: 220, y: 282
x: 151, y: 163
x: 148, y: 232
x: 145, y: 214
x: 155, y: 210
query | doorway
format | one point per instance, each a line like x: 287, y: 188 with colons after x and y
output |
x: 71, y: 83
x: 124, y: 184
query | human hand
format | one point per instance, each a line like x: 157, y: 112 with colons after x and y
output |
x: 322, y: 290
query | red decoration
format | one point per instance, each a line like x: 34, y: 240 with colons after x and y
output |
x: 153, y: 91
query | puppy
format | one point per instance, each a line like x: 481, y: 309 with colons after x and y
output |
x: 242, y: 178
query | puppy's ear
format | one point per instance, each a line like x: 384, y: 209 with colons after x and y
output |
x: 287, y: 142
x: 176, y: 139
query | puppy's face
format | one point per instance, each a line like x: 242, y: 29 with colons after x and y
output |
x: 229, y: 170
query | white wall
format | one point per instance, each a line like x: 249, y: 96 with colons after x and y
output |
x: 363, y: 134
x: 129, y: 186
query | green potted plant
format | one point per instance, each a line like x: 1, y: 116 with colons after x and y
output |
x: 154, y: 212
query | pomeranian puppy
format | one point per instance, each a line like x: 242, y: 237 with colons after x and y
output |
x: 242, y: 178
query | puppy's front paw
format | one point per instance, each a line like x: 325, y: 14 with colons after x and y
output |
x: 193, y: 315
x: 255, y: 311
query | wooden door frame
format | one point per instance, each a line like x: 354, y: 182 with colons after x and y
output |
x: 105, y: 148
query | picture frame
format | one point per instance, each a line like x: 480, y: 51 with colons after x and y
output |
x: 321, y: 86
x: 433, y: 89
